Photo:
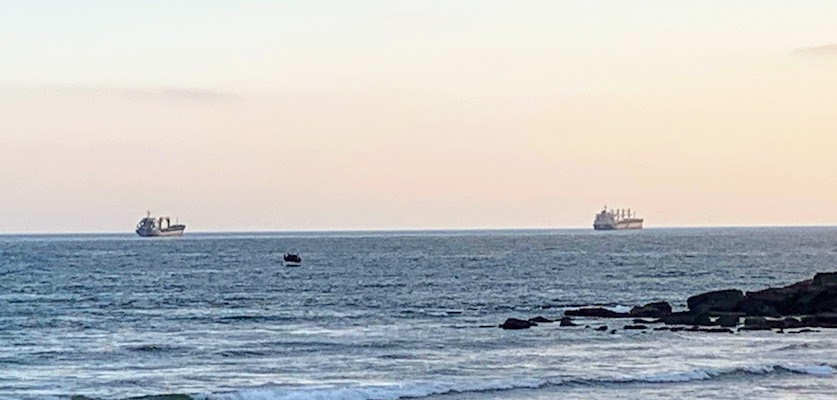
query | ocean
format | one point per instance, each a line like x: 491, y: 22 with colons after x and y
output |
x: 391, y: 315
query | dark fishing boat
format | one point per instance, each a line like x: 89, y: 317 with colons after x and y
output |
x: 292, y: 260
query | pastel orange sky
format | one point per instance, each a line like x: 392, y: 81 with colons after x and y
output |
x: 316, y: 115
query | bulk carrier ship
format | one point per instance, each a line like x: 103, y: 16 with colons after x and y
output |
x: 609, y: 220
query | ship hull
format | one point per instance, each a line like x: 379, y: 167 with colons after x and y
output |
x: 604, y: 227
x: 628, y: 224
x: 161, y: 233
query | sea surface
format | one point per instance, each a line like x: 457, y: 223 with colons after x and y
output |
x: 388, y: 315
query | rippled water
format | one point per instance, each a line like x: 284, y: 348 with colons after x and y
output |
x: 394, y: 314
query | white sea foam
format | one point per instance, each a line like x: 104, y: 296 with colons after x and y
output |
x: 378, y: 392
x: 810, y: 369
x: 619, y: 308
x: 425, y: 389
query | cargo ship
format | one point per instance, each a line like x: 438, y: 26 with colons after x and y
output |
x: 608, y: 220
x: 154, y: 227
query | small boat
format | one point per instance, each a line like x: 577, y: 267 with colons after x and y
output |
x: 292, y: 260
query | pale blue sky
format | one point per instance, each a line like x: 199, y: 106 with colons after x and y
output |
x: 415, y: 114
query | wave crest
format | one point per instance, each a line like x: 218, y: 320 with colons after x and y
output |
x: 418, y: 390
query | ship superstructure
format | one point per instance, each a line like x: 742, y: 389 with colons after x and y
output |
x: 616, y: 219
x: 161, y: 226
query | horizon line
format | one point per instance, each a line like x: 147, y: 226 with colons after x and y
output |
x: 415, y: 230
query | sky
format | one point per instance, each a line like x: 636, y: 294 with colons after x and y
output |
x: 416, y: 114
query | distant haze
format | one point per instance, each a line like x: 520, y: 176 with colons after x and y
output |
x: 310, y: 115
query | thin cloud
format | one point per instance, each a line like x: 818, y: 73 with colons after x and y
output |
x: 155, y: 94
x: 828, y: 50
x: 196, y: 95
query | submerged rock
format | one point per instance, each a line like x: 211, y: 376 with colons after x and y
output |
x: 567, y: 321
x: 514, y: 323
x: 716, y: 330
x: 753, y: 328
x: 635, y: 327
x: 647, y: 321
x: 540, y: 320
x: 602, y: 328
x: 597, y: 312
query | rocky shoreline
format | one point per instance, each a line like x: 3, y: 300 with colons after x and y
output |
x: 803, y: 305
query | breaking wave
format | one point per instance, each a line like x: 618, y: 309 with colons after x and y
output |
x: 425, y: 389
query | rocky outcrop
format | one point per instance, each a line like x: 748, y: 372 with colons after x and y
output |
x: 652, y: 310
x: 814, y: 296
x: 720, y: 300
x: 514, y: 323
x: 597, y: 312
x: 810, y: 303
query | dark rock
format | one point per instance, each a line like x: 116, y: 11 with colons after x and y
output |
x: 647, y: 321
x: 716, y: 330
x: 761, y: 323
x: 661, y: 328
x: 813, y: 296
x: 488, y: 326
x: 693, y: 328
x: 752, y: 306
x: 514, y: 323
x: 704, y: 320
x: 566, y: 321
x: 753, y: 328
x: 728, y: 321
x: 824, y: 320
x: 635, y: 327
x: 679, y: 318
x: 677, y: 328
x: 653, y: 310
x: 613, y: 331
x: 540, y: 320
x: 602, y: 328
x: 791, y: 322
x: 806, y: 330
x: 756, y: 322
x: 597, y: 312
x: 825, y: 279
x: 719, y: 300
x: 738, y: 314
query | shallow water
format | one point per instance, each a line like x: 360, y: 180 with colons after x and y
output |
x: 397, y: 314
